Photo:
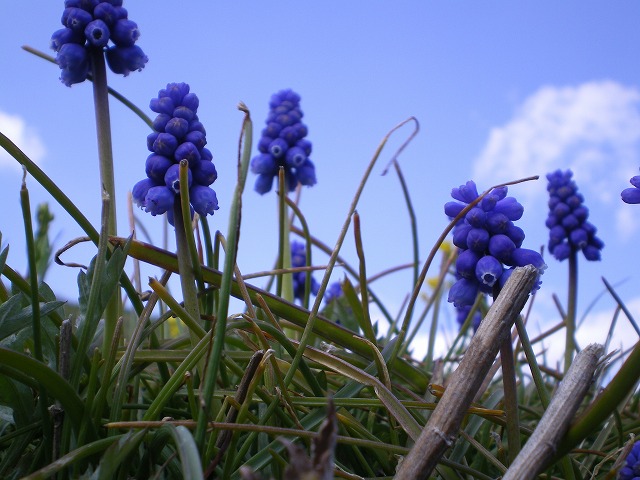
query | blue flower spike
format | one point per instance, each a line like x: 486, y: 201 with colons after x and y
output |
x: 632, y: 195
x: 569, y: 229
x: 158, y: 192
x: 489, y: 243
x: 283, y: 144
x: 97, y: 26
x: 631, y: 468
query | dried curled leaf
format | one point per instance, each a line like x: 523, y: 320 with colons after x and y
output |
x: 301, y: 467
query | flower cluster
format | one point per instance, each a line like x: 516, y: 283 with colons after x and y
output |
x: 299, y: 259
x: 632, y: 195
x: 90, y: 24
x: 490, y: 244
x: 567, y: 221
x: 283, y: 144
x: 631, y: 469
x: 178, y: 135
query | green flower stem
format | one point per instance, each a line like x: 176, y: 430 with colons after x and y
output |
x: 35, y: 311
x: 187, y: 277
x: 285, y: 280
x: 572, y: 301
x: 105, y: 154
x: 209, y: 298
x: 213, y: 365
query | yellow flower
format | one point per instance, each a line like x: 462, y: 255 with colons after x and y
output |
x: 446, y: 247
x: 174, y: 327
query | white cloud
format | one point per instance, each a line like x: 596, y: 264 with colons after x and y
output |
x: 592, y: 128
x: 16, y: 129
x: 594, y: 329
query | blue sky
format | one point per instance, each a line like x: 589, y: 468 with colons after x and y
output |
x: 501, y: 91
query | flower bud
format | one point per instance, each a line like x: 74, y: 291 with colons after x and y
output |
x: 156, y: 167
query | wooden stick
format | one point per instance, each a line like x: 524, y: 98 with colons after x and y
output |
x: 441, y: 430
x: 542, y: 444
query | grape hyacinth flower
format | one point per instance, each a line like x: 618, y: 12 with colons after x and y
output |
x: 299, y: 259
x: 178, y: 135
x: 569, y: 229
x: 490, y: 245
x: 632, y: 195
x: 91, y: 25
x: 631, y: 469
x: 283, y: 144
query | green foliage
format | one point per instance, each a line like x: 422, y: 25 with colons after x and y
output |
x: 216, y: 396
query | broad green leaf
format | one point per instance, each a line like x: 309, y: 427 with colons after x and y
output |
x: 56, y: 386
